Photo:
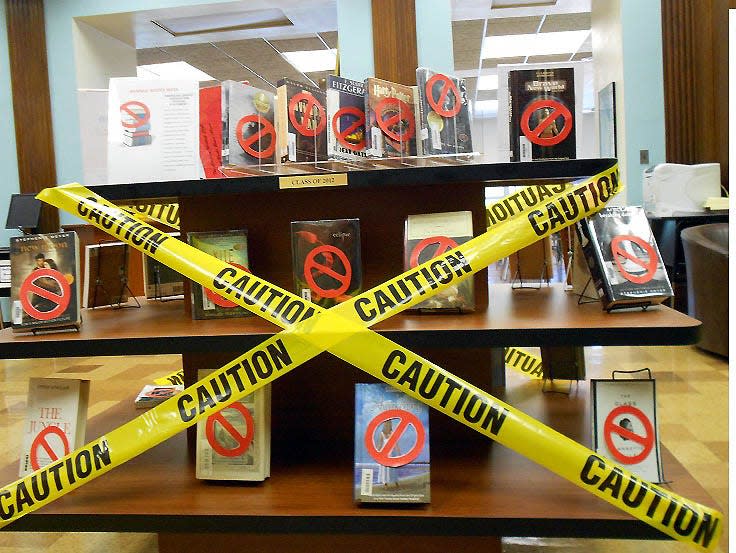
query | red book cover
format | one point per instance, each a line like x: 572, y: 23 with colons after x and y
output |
x: 210, y: 130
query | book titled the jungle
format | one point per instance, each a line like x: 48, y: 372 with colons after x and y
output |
x: 326, y: 260
x: 444, y: 117
x: 45, y: 284
x: 230, y: 246
x: 390, y: 119
x: 301, y: 122
x: 346, y: 118
x: 391, y: 463
x: 248, y: 127
x: 542, y: 114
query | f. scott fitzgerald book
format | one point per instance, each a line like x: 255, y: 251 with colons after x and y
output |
x: 444, y: 117
x: 301, y: 122
x: 390, y: 119
x: 346, y: 118
x: 248, y: 128
x: 227, y: 245
x: 623, y: 257
x: 542, y: 114
x: 326, y: 260
x: 45, y: 287
x: 391, y: 446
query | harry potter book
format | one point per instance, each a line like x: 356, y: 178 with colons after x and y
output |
x: 301, y: 122
x: 248, y: 128
x: 390, y: 119
x: 346, y: 118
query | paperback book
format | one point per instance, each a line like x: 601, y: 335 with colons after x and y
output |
x: 346, y: 116
x: 105, y: 274
x: 301, y: 122
x: 248, y: 128
x: 391, y: 119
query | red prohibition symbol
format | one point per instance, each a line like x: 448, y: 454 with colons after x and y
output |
x: 611, y: 427
x: 313, y: 267
x: 61, y: 301
x: 219, y: 300
x: 42, y: 441
x: 342, y: 135
x: 442, y: 243
x: 138, y: 119
x: 649, y: 265
x: 302, y: 126
x: 448, y: 85
x: 405, y: 419
x: 243, y: 440
x: 398, y: 111
x: 266, y: 130
x: 554, y: 109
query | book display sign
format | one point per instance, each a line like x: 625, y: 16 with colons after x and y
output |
x: 152, y: 130
x: 391, y: 114
x: 302, y: 122
x: 625, y: 425
x: 248, y: 125
x: 346, y: 117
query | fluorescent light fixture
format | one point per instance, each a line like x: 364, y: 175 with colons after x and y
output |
x: 488, y: 82
x: 172, y: 70
x: 540, y: 44
x: 223, y: 22
x: 485, y: 107
x: 309, y: 61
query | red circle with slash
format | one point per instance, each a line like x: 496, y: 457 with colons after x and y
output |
x: 138, y: 120
x: 42, y: 441
x: 402, y: 112
x: 311, y: 264
x: 611, y: 427
x: 342, y: 135
x: 243, y: 440
x: 62, y: 300
x: 302, y: 127
x: 448, y: 85
x: 558, y: 110
x: 247, y: 143
x: 649, y: 266
x: 384, y: 455
x: 442, y: 243
x: 219, y: 300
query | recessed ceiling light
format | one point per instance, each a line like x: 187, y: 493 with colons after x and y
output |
x: 488, y: 82
x: 223, y: 22
x: 308, y: 61
x: 172, y: 70
x: 540, y: 44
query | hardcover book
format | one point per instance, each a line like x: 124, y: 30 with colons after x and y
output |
x: 230, y: 246
x: 542, y: 114
x: 210, y: 130
x: 429, y: 235
x: 623, y: 257
x: 105, y: 274
x: 444, y: 117
x: 346, y: 117
x: 301, y: 122
x: 55, y: 423
x: 391, y: 446
x: 390, y: 119
x: 326, y: 260
x: 248, y: 131
x: 153, y: 394
x: 45, y: 287
x: 235, y: 443
x: 161, y: 281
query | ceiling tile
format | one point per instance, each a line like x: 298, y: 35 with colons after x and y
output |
x: 466, y: 41
x: 493, y: 62
x: 566, y: 22
x: 470, y: 84
x: 551, y: 58
x: 298, y: 44
x: 261, y: 58
x: 582, y: 56
x: 330, y: 38
x: 513, y: 25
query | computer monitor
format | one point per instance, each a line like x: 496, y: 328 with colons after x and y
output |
x: 24, y: 212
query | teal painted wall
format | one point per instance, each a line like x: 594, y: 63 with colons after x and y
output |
x: 355, y: 37
x: 434, y: 35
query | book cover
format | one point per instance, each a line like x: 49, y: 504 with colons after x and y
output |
x: 429, y: 235
x: 161, y: 281
x: 390, y: 119
x: 153, y: 394
x: 55, y: 422
x: 210, y: 130
x: 105, y: 274
x: 249, y: 133
x: 542, y: 114
x: 301, y: 122
x: 45, y: 286
x: 326, y: 260
x: 346, y: 117
x: 444, y: 115
x: 230, y: 246
x: 391, y: 446
x: 235, y: 443
x: 623, y: 257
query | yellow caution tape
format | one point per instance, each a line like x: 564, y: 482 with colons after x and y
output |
x: 166, y: 214
x: 176, y: 377
x: 341, y: 330
x: 524, y: 362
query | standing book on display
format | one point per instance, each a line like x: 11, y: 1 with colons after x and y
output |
x: 390, y: 119
x: 45, y: 287
x: 210, y: 130
x: 301, y: 122
x: 105, y: 274
x: 346, y: 119
x: 161, y: 281
x: 248, y: 128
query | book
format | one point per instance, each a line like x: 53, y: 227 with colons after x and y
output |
x: 153, y: 394
x: 346, y: 118
x: 542, y: 114
x: 390, y: 118
x: 161, y: 281
x: 444, y: 115
x: 55, y: 421
x: 105, y: 274
x: 301, y: 122
x: 248, y: 132
x: 235, y: 443
x: 326, y: 260
x: 230, y: 246
x: 390, y: 467
x: 623, y: 258
x: 210, y: 130
x: 45, y: 286
x: 431, y: 234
